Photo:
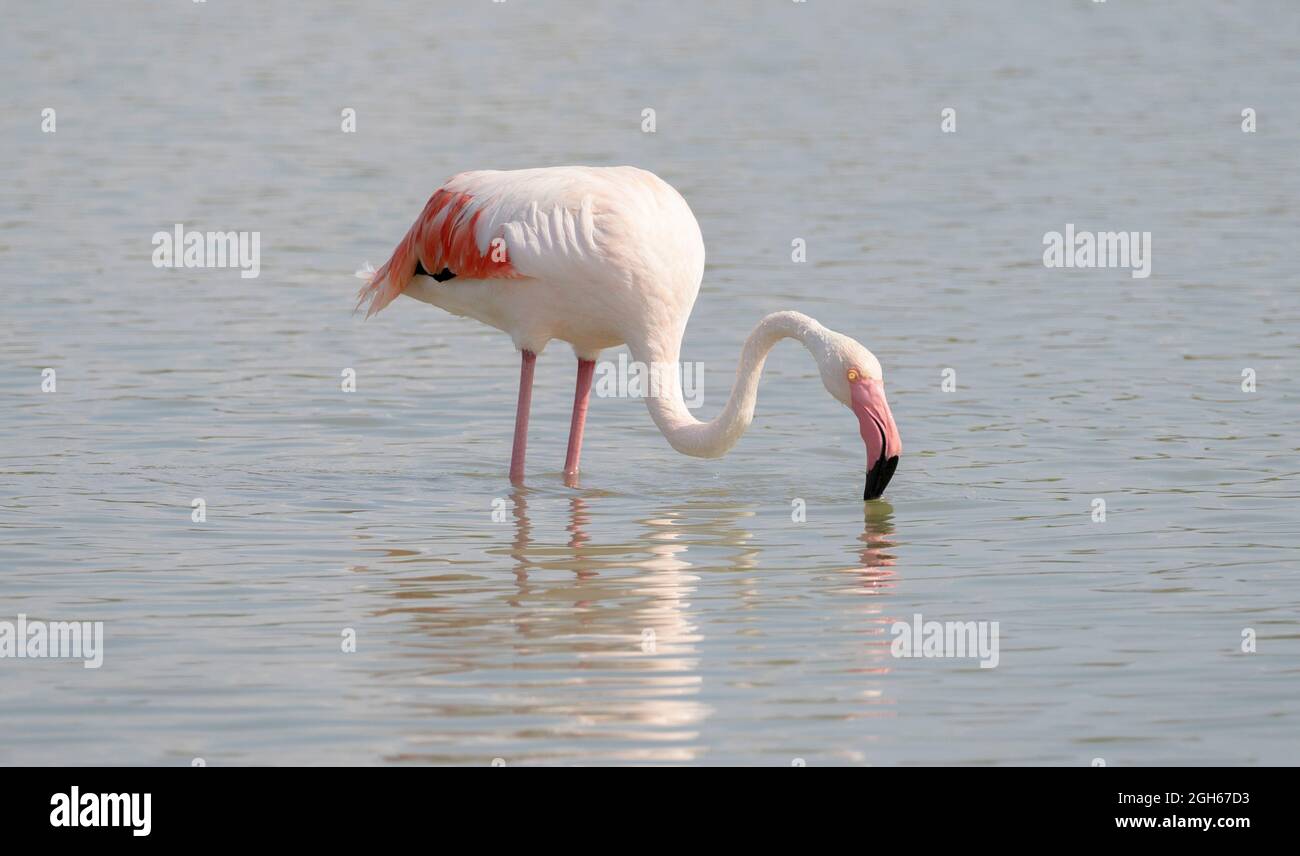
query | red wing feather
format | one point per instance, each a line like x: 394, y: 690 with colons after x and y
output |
x: 443, y: 236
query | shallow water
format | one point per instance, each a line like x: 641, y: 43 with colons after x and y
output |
x: 494, y: 623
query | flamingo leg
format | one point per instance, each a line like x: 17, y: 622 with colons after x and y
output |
x: 581, y: 396
x: 521, y: 416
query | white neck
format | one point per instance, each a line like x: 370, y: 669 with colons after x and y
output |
x: 712, y: 439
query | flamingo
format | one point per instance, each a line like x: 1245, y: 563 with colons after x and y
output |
x: 600, y: 257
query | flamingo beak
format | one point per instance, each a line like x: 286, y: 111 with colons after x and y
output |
x: 879, y: 433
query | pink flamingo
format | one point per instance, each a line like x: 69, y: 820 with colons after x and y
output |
x: 600, y: 257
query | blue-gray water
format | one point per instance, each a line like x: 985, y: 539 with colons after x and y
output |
x: 520, y: 636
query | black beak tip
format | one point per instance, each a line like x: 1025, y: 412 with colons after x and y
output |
x: 878, y: 478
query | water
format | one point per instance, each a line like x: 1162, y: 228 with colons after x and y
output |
x: 521, y: 637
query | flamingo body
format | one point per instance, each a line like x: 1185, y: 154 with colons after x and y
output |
x: 600, y: 257
x: 592, y: 255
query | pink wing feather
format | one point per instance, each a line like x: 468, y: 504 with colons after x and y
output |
x: 443, y: 236
x: 556, y: 223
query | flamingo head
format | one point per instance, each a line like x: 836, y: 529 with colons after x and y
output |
x: 853, y: 375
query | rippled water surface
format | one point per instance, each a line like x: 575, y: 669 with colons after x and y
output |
x: 494, y: 623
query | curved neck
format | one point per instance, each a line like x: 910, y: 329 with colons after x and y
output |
x: 712, y: 439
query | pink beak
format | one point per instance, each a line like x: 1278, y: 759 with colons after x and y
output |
x: 879, y: 433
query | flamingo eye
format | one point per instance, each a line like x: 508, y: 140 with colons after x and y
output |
x: 853, y: 375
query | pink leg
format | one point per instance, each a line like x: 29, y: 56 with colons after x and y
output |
x: 581, y: 396
x: 521, y: 416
